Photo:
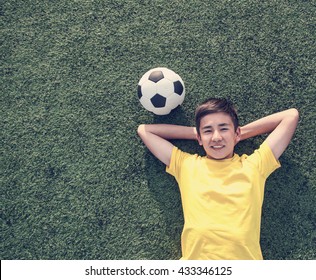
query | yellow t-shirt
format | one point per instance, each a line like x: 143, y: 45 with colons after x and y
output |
x: 222, y: 201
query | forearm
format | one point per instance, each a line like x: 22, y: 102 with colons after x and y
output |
x: 156, y: 137
x: 170, y: 131
x: 266, y: 124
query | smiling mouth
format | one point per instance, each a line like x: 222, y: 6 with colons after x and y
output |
x: 217, y: 147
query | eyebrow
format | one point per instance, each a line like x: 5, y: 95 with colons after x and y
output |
x: 220, y: 125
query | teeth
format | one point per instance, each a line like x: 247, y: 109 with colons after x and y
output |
x: 217, y: 147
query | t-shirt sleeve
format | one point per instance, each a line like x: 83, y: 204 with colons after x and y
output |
x: 265, y: 160
x: 177, y: 158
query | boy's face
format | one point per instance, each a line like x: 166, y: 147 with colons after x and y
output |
x: 218, y: 136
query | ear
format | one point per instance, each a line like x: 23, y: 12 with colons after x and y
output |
x: 238, y: 135
x: 198, y: 136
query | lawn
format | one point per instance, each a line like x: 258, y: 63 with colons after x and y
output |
x: 77, y: 182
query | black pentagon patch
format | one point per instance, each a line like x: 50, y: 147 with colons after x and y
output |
x: 139, y: 92
x: 178, y: 87
x: 156, y: 76
x: 158, y: 101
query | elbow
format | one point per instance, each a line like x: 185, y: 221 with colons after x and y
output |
x: 294, y: 113
x: 140, y: 129
x: 293, y: 116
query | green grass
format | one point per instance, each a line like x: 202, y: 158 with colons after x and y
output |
x: 77, y: 183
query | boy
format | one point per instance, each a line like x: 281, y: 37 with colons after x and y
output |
x: 222, y: 192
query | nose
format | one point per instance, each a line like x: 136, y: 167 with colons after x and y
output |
x: 217, y: 136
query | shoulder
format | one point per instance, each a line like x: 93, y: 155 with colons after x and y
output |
x: 263, y: 159
x: 179, y: 155
x: 178, y: 158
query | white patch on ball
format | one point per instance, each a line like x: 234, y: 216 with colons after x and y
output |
x: 161, y: 90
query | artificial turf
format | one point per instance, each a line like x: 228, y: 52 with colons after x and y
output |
x: 76, y: 181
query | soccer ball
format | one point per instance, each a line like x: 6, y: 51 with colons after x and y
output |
x: 160, y: 90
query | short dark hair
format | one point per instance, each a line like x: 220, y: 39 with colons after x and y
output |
x: 215, y: 105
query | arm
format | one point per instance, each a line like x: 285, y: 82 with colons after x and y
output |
x: 281, y: 127
x: 155, y: 137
